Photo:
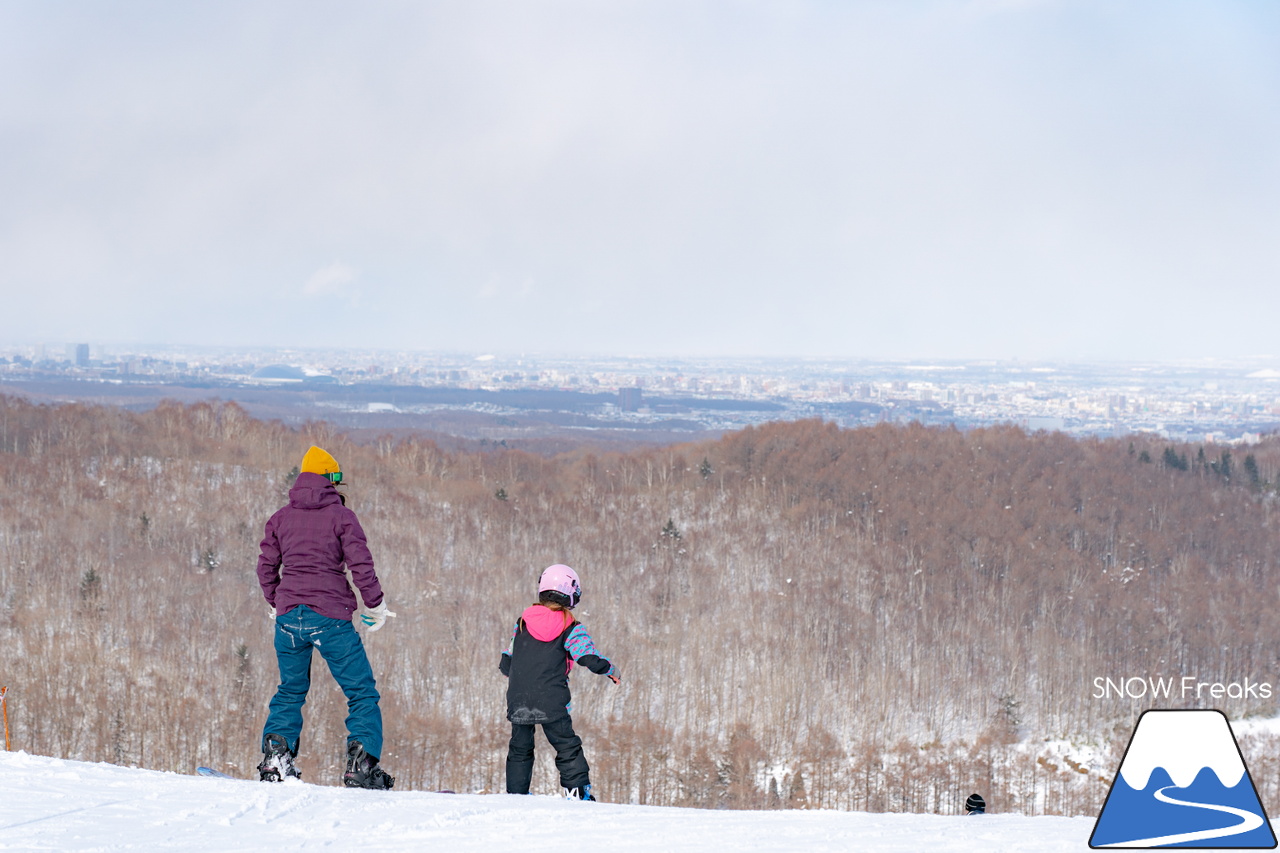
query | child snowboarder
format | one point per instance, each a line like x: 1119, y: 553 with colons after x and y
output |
x: 545, y: 644
x: 300, y: 569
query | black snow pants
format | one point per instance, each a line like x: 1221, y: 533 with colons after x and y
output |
x: 570, y: 761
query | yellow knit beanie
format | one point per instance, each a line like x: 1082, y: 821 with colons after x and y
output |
x: 317, y: 461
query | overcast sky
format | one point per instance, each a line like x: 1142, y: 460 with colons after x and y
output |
x: 909, y: 180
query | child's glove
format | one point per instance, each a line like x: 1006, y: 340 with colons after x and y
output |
x: 374, y: 617
x: 617, y: 679
x: 271, y: 612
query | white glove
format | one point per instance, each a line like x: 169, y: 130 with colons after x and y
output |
x: 374, y: 617
x: 271, y: 612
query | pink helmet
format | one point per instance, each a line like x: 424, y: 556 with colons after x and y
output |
x: 560, y: 584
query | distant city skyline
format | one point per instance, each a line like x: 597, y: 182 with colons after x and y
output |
x: 975, y: 179
x: 69, y: 349
x: 543, y: 397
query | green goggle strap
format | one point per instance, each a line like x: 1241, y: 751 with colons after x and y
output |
x: 335, y: 477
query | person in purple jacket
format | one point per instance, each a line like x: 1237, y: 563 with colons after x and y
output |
x: 300, y: 567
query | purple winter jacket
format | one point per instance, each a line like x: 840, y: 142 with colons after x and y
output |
x: 303, y: 550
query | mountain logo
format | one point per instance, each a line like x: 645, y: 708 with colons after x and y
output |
x: 1183, y: 783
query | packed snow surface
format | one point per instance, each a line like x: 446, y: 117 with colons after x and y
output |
x: 53, y: 804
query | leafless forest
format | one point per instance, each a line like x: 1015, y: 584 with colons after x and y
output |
x: 878, y: 619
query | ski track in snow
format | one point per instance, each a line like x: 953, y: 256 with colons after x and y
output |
x: 56, y: 804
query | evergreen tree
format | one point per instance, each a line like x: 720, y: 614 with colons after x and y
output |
x: 1222, y: 466
x: 1174, y: 461
x: 90, y: 585
x: 1251, y: 471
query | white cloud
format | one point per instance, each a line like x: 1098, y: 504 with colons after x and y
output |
x: 336, y: 279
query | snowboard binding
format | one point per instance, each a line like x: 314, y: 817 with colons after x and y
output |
x: 277, y: 761
x: 363, y: 770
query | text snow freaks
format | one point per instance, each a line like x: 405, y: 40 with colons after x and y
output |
x: 1187, y: 687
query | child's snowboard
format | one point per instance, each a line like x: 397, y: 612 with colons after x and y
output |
x: 209, y: 771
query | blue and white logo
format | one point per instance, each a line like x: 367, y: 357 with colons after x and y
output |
x: 1183, y: 783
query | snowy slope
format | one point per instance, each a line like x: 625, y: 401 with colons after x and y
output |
x: 52, y: 804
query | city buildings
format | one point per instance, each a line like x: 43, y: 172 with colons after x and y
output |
x: 1208, y: 402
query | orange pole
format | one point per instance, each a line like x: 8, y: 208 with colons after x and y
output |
x: 4, y: 707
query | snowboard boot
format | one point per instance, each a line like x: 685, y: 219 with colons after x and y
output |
x: 363, y: 770
x: 277, y: 761
x: 581, y: 792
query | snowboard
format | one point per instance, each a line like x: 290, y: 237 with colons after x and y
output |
x: 209, y: 771
x: 218, y: 774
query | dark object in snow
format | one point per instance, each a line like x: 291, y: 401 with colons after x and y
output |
x: 975, y: 805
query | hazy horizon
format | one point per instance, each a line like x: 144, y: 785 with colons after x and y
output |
x: 106, y: 351
x: 991, y: 179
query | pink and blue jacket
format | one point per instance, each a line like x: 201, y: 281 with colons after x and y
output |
x: 544, y: 646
